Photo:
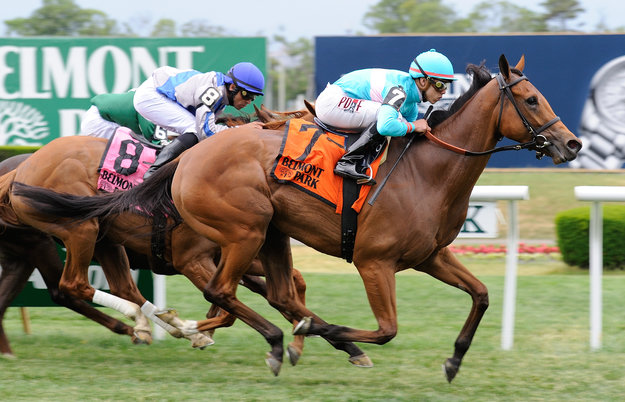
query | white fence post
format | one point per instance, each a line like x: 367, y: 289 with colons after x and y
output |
x: 597, y: 194
x: 512, y: 194
x: 160, y: 301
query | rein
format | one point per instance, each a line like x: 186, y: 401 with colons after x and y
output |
x: 538, y: 141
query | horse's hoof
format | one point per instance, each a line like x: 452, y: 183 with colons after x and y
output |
x: 200, y: 341
x: 273, y: 364
x: 303, y: 326
x: 361, y: 361
x: 142, y: 337
x: 450, y: 370
x: 8, y: 356
x: 139, y: 341
x: 293, y: 354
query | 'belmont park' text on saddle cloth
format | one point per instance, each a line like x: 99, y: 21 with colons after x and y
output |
x: 307, y: 158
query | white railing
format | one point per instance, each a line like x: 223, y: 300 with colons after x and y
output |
x: 597, y: 195
x: 512, y: 194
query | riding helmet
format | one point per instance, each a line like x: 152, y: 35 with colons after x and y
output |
x: 434, y: 64
x: 247, y: 76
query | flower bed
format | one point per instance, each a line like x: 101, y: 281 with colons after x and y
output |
x: 524, y: 250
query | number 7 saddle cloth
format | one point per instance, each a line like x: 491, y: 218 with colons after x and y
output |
x: 306, y: 161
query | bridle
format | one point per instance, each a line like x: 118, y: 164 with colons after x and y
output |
x: 538, y: 141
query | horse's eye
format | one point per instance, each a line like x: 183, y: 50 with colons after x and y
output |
x: 532, y: 101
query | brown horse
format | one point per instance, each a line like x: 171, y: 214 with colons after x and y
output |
x: 419, y: 213
x: 23, y: 249
x: 70, y: 165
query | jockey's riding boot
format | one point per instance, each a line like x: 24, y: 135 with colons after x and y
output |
x: 353, y: 164
x: 171, y: 151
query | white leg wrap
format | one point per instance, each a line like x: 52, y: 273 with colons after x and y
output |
x: 150, y: 311
x: 125, y: 307
x: 189, y: 327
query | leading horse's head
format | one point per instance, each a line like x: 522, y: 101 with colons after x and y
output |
x: 524, y: 115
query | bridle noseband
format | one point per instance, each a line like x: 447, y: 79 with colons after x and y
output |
x: 537, y: 142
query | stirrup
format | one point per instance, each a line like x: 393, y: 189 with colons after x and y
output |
x: 369, y: 181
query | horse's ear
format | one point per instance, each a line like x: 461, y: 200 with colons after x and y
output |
x: 262, y: 113
x: 521, y: 64
x: 310, y: 107
x: 504, y: 67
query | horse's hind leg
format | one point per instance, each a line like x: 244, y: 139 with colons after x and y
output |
x: 253, y: 282
x: 14, y: 275
x: 447, y: 268
x: 285, y: 293
x: 47, y: 261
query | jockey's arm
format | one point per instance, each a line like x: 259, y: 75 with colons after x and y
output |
x: 205, y: 121
x: 390, y: 122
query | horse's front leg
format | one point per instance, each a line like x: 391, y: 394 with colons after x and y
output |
x: 115, y: 264
x: 124, y: 291
x: 379, y: 282
x: 447, y: 268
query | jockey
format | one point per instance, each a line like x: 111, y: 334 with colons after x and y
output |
x: 187, y: 102
x: 383, y: 103
x: 111, y: 111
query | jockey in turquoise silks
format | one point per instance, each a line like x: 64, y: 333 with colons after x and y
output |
x: 382, y: 102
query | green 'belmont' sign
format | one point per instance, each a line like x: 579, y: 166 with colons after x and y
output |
x: 46, y: 83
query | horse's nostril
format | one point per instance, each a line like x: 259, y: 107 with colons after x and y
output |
x: 574, y: 145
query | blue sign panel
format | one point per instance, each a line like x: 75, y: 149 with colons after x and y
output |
x: 582, y: 77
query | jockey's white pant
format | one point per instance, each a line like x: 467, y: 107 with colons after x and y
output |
x: 335, y: 108
x: 161, y: 110
x: 95, y: 125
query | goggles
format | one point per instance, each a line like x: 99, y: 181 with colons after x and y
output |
x: 247, y: 95
x: 440, y: 86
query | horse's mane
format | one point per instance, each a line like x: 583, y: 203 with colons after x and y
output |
x: 481, y: 76
x: 280, y: 119
x: 232, y: 120
x: 271, y: 120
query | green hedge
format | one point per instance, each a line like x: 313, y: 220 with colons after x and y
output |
x: 12, y: 150
x: 572, y: 233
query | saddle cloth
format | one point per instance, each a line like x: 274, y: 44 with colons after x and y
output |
x: 307, y: 158
x: 125, y: 161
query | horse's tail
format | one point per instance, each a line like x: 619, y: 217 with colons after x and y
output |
x: 150, y: 198
x: 7, y: 215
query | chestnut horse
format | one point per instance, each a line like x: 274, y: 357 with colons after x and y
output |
x: 409, y: 226
x: 23, y: 249
x: 70, y: 165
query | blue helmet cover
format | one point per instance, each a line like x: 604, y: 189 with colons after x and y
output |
x: 247, y: 76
